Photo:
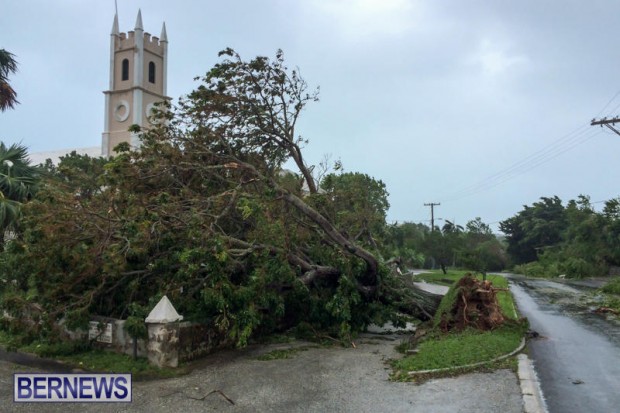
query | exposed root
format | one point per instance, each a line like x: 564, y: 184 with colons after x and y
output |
x: 475, y: 306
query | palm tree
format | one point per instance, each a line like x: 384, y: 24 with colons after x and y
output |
x: 18, y: 182
x: 8, y: 65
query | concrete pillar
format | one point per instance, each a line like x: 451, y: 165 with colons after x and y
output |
x: 163, y: 329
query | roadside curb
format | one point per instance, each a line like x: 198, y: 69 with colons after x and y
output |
x: 533, y: 400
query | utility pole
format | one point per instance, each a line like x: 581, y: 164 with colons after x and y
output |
x: 433, y: 205
x: 607, y: 123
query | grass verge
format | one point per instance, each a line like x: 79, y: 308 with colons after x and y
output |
x: 467, y: 347
x: 440, y: 350
x: 108, y: 362
x: 607, y: 297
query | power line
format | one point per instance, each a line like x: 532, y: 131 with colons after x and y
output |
x: 548, y: 153
x: 544, y: 155
x: 608, y: 103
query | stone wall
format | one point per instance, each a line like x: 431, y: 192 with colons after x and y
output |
x: 197, y: 340
x: 121, y: 340
x: 169, y: 340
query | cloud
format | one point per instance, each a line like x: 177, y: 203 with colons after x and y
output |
x: 494, y: 59
x: 369, y: 18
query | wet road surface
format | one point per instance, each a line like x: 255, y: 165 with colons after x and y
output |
x: 577, y: 357
x: 320, y: 379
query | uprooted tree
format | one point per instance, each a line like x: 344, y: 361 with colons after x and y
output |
x: 204, y: 213
x: 470, y: 303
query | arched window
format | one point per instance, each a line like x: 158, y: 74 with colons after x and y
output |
x: 125, y: 67
x: 151, y: 72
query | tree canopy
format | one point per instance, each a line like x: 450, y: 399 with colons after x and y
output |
x: 571, y: 239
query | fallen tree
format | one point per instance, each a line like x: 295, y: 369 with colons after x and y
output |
x: 204, y: 213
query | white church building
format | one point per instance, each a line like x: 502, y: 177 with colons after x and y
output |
x: 138, y: 72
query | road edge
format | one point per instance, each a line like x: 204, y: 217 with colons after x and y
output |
x: 533, y: 399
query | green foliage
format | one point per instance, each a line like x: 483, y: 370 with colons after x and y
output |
x: 203, y: 214
x: 583, y: 243
x: 534, y: 228
x: 18, y: 183
x: 473, y: 247
x: 8, y: 65
x: 405, y: 241
x: 356, y: 203
x: 135, y: 325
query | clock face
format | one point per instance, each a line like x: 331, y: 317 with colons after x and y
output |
x: 121, y: 111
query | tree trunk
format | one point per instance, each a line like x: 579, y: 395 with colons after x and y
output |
x: 412, y: 300
x: 443, y: 267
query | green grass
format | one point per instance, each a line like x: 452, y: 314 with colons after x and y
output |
x: 612, y: 287
x: 463, y: 348
x: 106, y: 361
x: 607, y: 296
x: 77, y: 355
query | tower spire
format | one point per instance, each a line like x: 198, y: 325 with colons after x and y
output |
x: 164, y: 36
x: 115, y: 31
x: 139, y: 21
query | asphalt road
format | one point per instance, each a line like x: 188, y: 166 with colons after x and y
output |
x: 319, y: 379
x: 577, y: 357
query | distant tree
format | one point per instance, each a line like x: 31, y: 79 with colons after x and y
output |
x: 18, y: 182
x: 442, y: 247
x: 476, y: 226
x: 8, y: 65
x: 481, y: 251
x: 450, y: 227
x: 405, y: 243
x: 535, y: 228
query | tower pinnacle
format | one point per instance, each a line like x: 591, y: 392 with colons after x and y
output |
x: 139, y: 21
x: 115, y: 25
x: 163, y: 37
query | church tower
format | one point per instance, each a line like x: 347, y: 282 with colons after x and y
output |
x: 138, y: 70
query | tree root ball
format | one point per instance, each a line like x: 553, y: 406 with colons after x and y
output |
x: 473, y: 304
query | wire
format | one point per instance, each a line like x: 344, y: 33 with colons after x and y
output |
x: 561, y: 145
x: 549, y: 152
x: 608, y: 103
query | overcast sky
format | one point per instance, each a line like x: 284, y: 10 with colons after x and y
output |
x: 483, y: 106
